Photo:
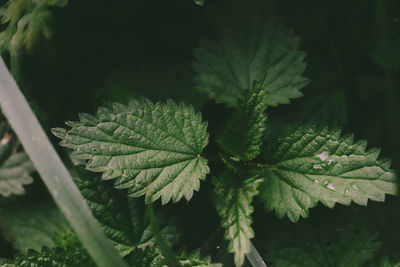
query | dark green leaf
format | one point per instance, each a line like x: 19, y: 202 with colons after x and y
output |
x: 234, y: 206
x: 150, y: 149
x: 307, y: 165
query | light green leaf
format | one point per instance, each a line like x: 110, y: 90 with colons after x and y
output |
x: 150, y: 149
x: 33, y: 226
x: 307, y: 165
x: 199, y: 2
x: 242, y: 136
x: 253, y: 44
x: 234, y: 206
x: 15, y: 168
x: 122, y: 218
x: 27, y: 22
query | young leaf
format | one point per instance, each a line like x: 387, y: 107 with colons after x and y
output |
x: 15, y: 170
x: 339, y: 241
x: 57, y: 257
x: 122, y: 218
x: 308, y: 165
x: 234, y: 207
x: 33, y: 226
x: 253, y: 44
x: 242, y: 136
x: 150, y: 149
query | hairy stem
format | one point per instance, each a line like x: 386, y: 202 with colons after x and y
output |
x: 53, y: 172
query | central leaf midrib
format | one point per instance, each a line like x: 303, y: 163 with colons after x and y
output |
x: 130, y: 145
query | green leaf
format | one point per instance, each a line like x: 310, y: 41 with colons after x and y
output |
x: 194, y: 259
x: 122, y: 218
x: 199, y: 2
x: 386, y: 262
x: 33, y: 226
x: 57, y: 257
x: 151, y: 257
x: 150, y: 149
x: 233, y: 203
x: 307, y: 165
x: 27, y: 22
x: 242, y: 136
x: 339, y: 241
x: 34, y: 26
x: 253, y: 44
x: 15, y: 169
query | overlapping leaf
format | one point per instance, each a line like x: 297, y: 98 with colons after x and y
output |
x: 122, y: 218
x: 307, y: 165
x: 234, y: 206
x: 338, y: 240
x: 150, y: 149
x: 253, y: 44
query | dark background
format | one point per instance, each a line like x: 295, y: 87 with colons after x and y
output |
x: 103, y: 51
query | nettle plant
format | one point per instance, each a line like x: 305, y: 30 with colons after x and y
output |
x: 144, y: 152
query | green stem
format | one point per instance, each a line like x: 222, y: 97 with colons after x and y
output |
x: 166, y: 250
x: 53, y: 172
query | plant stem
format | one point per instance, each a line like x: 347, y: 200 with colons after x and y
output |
x: 53, y: 172
x: 165, y: 249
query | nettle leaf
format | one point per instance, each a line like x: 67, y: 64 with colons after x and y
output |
x: 325, y: 241
x: 150, y: 149
x: 15, y: 169
x: 151, y: 257
x: 56, y: 257
x: 122, y: 218
x: 242, y: 136
x: 253, y: 43
x: 307, y: 165
x: 234, y: 206
x: 33, y: 226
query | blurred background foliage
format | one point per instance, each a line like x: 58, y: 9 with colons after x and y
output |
x: 87, y: 53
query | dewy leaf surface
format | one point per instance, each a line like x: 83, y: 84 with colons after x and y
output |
x: 122, y: 218
x: 307, y: 165
x: 242, y: 136
x: 150, y: 149
x: 234, y: 207
x: 253, y: 43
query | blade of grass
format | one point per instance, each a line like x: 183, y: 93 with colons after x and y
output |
x: 254, y: 257
x: 53, y: 172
